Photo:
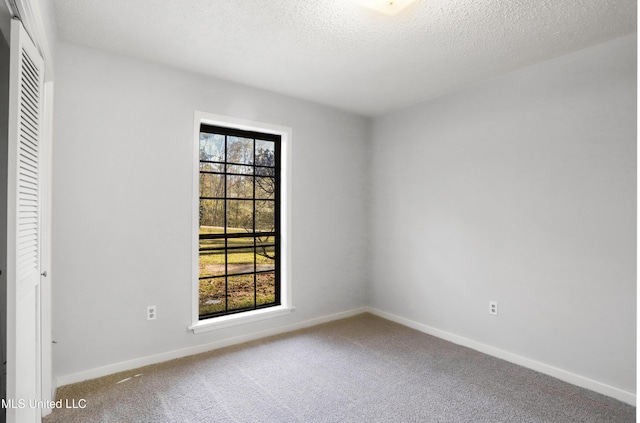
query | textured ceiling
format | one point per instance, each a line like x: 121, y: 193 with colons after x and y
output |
x: 338, y: 52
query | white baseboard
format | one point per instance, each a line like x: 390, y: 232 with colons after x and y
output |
x: 574, y: 379
x: 170, y: 355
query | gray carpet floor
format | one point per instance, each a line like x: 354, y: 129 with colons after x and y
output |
x: 360, y: 369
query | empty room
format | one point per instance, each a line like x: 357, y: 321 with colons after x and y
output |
x: 319, y: 211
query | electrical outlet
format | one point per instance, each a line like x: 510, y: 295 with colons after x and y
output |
x: 151, y: 313
x: 493, y: 308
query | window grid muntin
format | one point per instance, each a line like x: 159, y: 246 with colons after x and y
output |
x: 258, y: 171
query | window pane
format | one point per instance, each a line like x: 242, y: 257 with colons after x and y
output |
x: 240, y: 261
x: 265, y: 153
x: 212, y: 296
x: 211, y: 167
x: 239, y: 186
x: 265, y: 171
x: 265, y: 188
x: 211, y: 147
x: 265, y: 259
x: 265, y: 241
x: 212, y: 230
x: 241, y: 293
x: 239, y: 150
x: 265, y: 216
x: 266, y: 288
x: 239, y: 216
x: 211, y: 185
x: 243, y: 170
x: 211, y: 261
x: 211, y: 214
x: 240, y: 242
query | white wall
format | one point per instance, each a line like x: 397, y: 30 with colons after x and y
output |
x: 122, y: 206
x: 520, y: 190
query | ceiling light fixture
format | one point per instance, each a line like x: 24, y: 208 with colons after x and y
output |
x: 388, y: 7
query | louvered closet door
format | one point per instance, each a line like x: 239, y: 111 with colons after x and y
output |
x: 23, y: 227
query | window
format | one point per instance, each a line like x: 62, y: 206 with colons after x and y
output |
x: 240, y: 269
x: 239, y: 226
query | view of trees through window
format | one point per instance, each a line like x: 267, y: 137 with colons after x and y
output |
x: 239, y: 221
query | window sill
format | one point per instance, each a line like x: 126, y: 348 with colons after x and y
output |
x: 221, y: 322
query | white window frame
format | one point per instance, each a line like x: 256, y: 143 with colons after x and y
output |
x: 286, y: 303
